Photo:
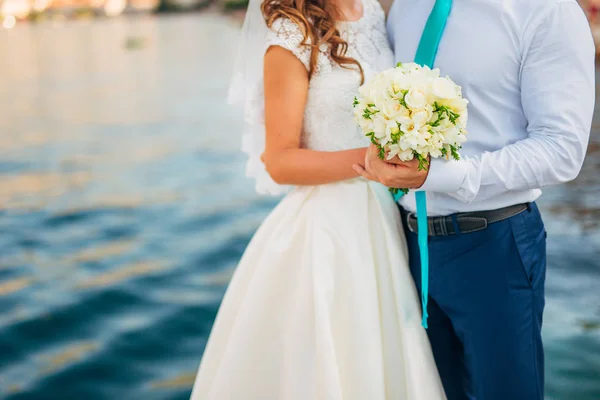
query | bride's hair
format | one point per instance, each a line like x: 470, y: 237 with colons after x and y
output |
x: 317, y: 20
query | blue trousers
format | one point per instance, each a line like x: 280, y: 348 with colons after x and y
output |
x: 485, y: 308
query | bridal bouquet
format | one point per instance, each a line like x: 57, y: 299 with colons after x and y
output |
x: 411, y: 112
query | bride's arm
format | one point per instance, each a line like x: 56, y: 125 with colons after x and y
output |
x: 286, y: 89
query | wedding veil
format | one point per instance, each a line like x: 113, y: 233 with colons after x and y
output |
x: 247, y: 89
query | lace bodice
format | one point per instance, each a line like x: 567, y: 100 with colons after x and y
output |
x: 328, y: 119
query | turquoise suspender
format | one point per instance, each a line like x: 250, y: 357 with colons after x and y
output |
x: 426, y: 53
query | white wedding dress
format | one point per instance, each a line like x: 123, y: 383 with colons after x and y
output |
x: 322, y: 305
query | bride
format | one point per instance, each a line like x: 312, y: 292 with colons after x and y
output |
x: 322, y: 305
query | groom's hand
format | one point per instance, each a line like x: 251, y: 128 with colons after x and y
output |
x: 394, y: 174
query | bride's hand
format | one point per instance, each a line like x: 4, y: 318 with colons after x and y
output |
x: 410, y: 164
x: 366, y: 170
x: 393, y: 173
x: 395, y: 161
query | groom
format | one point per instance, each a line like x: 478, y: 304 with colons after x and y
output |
x: 527, y: 67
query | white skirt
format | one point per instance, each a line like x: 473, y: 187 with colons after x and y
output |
x: 322, y: 307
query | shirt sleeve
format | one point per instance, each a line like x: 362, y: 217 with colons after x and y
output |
x: 287, y: 34
x: 558, y: 95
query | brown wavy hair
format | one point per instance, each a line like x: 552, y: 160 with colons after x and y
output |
x: 317, y: 20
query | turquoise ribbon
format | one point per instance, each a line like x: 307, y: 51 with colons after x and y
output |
x: 426, y: 53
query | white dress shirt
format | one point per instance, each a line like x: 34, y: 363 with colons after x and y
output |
x: 527, y: 68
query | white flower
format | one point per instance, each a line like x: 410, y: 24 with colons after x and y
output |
x: 379, y: 127
x: 457, y: 104
x: 424, y: 131
x: 392, y: 109
x: 396, y: 108
x: 444, y: 88
x: 409, y: 128
x: 412, y: 140
x: 407, y: 67
x: 463, y: 119
x: 453, y: 136
x: 406, y: 155
x: 385, y: 136
x: 400, y: 82
x: 368, y: 93
x: 395, y: 150
x: 359, y: 110
x: 422, y: 116
x: 416, y: 98
x: 423, y: 151
x: 427, y: 73
x: 434, y: 73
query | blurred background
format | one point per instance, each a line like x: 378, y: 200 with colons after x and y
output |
x: 124, y: 208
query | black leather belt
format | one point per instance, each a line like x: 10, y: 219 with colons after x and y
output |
x: 466, y: 222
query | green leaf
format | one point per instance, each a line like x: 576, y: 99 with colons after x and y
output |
x: 370, y: 111
x: 423, y: 163
x: 454, y: 153
x: 444, y: 111
x: 402, y: 100
x: 395, y: 191
x: 371, y: 135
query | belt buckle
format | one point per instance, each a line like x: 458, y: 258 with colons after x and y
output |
x: 408, y: 218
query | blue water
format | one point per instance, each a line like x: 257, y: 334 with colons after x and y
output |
x: 123, y: 211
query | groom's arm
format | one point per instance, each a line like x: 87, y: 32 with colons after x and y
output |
x: 557, y: 86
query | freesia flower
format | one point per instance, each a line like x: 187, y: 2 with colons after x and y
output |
x: 412, y: 112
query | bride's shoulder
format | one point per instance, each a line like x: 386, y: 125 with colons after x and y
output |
x: 291, y: 35
x: 287, y: 33
x: 286, y: 27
